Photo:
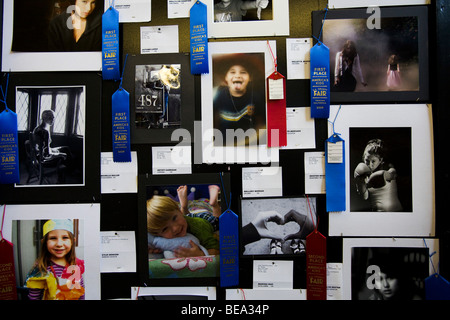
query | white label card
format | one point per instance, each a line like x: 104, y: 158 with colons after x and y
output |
x: 171, y: 160
x: 262, y: 182
x: 335, y: 152
x: 118, y: 251
x: 269, y: 274
x: 276, y: 89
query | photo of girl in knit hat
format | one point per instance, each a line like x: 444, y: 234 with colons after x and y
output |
x: 51, y: 269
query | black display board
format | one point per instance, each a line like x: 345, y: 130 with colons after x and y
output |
x: 120, y: 212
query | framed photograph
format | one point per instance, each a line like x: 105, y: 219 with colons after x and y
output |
x: 376, y: 57
x: 58, y: 136
x: 389, y: 171
x: 240, y: 18
x: 388, y: 268
x: 234, y: 103
x: 49, y: 36
x: 162, y: 99
x: 286, y: 222
x: 31, y: 229
x: 172, y: 211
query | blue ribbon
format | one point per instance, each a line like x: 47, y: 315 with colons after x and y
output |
x: 335, y: 173
x: 320, y: 77
x: 229, y: 246
x: 320, y: 81
x: 110, y: 44
x: 199, y: 38
x: 335, y: 178
x: 121, y: 124
x: 9, y: 150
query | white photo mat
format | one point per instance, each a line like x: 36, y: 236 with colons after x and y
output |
x: 278, y: 26
x: 42, y: 61
x: 89, y: 213
x: 229, y: 154
x: 350, y: 243
x: 336, y: 4
x: 420, y: 222
x: 208, y: 292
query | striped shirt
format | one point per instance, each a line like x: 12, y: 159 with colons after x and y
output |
x: 38, y: 294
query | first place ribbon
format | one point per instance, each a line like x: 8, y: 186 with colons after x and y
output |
x: 121, y: 124
x: 9, y: 150
x: 229, y: 246
x: 110, y: 44
x: 9, y: 153
x: 199, y: 38
x: 320, y: 81
x: 320, y: 78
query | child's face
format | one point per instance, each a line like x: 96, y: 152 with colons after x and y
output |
x: 59, y: 243
x: 237, y: 79
x: 373, y: 162
x: 175, y: 227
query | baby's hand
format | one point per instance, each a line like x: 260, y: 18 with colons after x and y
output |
x: 193, y: 251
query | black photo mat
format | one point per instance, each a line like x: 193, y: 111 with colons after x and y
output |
x: 401, y: 276
x: 148, y: 185
x: 150, y: 123
x: 81, y: 172
x: 397, y: 31
x: 282, y: 245
x: 397, y: 145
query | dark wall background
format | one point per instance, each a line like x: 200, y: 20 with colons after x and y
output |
x: 120, y: 212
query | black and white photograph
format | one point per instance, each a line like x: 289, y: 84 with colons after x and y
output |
x: 158, y: 96
x: 385, y: 197
x: 51, y: 126
x: 380, y: 169
x: 247, y: 18
x: 375, y: 58
x: 276, y: 226
x: 58, y: 118
x: 162, y: 97
x: 389, y: 273
x: 242, y: 10
x: 388, y: 268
